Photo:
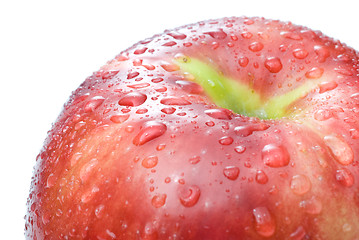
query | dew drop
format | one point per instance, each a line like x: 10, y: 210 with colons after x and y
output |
x: 322, y: 53
x: 170, y: 67
x: 340, y: 149
x: 226, y: 140
x: 243, y: 61
x: 291, y: 35
x: 246, y: 130
x: 99, y: 211
x: 87, y: 169
x: 344, y: 71
x: 256, y: 46
x: 261, y: 177
x: 88, y: 195
x: 264, y: 222
x: 231, y: 172
x: 159, y: 200
x: 120, y: 118
x: 132, y: 75
x: 344, y: 177
x: 240, y: 149
x: 219, y: 113
x: 150, y: 162
x: 172, y: 100
x: 132, y: 99
x: 140, y: 51
x: 311, y: 206
x: 189, y: 196
x: 246, y: 35
x: 327, y: 86
x: 190, y: 87
x: 314, y: 73
x: 94, y: 103
x: 322, y: 115
x: 219, y: 34
x: 138, y: 85
x: 150, y: 130
x: 273, y: 64
x: 300, y: 184
x: 177, y: 36
x: 195, y: 159
x: 51, y: 180
x: 168, y: 110
x: 169, y: 44
x: 298, y: 234
x: 275, y: 156
x: 300, y: 53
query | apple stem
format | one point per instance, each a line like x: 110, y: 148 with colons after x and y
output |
x: 237, y: 96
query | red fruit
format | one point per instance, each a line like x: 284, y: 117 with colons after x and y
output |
x: 237, y: 128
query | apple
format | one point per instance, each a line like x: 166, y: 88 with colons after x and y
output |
x: 235, y: 128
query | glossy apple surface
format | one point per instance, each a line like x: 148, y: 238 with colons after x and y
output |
x: 236, y: 128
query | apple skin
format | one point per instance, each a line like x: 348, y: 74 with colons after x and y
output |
x: 140, y: 151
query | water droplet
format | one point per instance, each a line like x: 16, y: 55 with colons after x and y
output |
x: 298, y: 234
x: 311, y: 206
x: 314, y: 73
x: 261, y: 177
x: 87, y: 169
x: 354, y: 133
x: 138, y: 85
x: 264, y: 222
x: 291, y: 35
x: 189, y: 196
x: 88, y: 195
x: 159, y: 200
x: 132, y: 99
x: 273, y: 64
x: 150, y: 162
x: 344, y: 71
x: 99, y: 211
x: 94, y: 103
x: 120, y: 118
x: 226, y: 140
x: 51, y: 180
x: 240, y: 149
x: 195, y: 159
x: 157, y: 80
x: 231, y: 172
x: 300, y: 184
x: 327, y: 86
x: 140, y: 51
x: 340, y: 149
x: 190, y: 87
x: 322, y: 115
x: 246, y: 130
x: 169, y: 44
x: 300, y: 53
x: 109, y: 74
x: 256, y: 46
x: 177, y: 36
x: 248, y: 21
x: 149, y: 232
x: 170, y: 67
x: 132, y: 75
x: 219, y: 34
x: 219, y: 113
x: 344, y: 177
x: 243, y: 61
x: 150, y: 130
x: 168, y: 110
x: 322, y: 53
x: 172, y: 100
x: 142, y: 111
x: 246, y: 35
x: 275, y: 156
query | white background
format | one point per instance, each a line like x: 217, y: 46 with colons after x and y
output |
x: 47, y: 48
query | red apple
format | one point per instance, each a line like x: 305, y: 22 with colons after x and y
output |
x: 236, y: 128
